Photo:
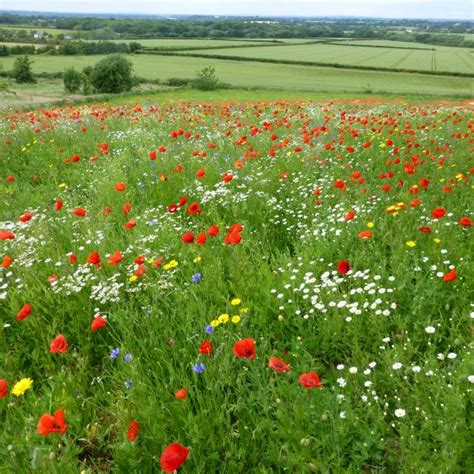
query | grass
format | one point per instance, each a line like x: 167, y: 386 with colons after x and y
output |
x: 293, y: 77
x: 389, y: 339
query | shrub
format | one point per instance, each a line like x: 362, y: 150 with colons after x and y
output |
x: 72, y: 80
x: 112, y: 74
x: 22, y: 70
x: 206, y: 79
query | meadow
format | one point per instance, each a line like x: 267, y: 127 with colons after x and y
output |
x: 237, y: 286
x: 267, y: 75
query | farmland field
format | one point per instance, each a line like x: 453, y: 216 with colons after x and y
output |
x: 293, y: 77
x: 441, y: 59
x: 277, y: 286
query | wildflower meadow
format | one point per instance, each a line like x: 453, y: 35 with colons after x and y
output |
x: 225, y: 287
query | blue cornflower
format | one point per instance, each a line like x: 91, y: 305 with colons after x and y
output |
x: 114, y: 353
x: 127, y: 357
x: 209, y: 329
x: 128, y: 384
x: 197, y: 277
x: 199, y: 368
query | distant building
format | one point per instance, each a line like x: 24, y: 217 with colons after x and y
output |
x: 38, y: 35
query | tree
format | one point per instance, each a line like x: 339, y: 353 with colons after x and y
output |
x: 206, y: 79
x: 112, y: 74
x: 72, y: 80
x: 22, y: 70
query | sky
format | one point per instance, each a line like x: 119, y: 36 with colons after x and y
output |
x: 442, y: 9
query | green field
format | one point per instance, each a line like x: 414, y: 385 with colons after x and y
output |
x: 291, y: 77
x: 50, y: 31
x: 442, y: 59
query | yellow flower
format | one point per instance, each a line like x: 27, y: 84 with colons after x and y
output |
x: 235, y: 302
x: 223, y: 318
x: 437, y: 241
x: 244, y: 310
x: 410, y: 243
x: 370, y: 225
x: 133, y: 278
x: 235, y: 319
x: 150, y: 261
x: 197, y: 259
x: 170, y: 264
x: 62, y: 185
x: 214, y: 323
x: 22, y: 386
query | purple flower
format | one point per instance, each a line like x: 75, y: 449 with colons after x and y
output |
x: 197, y: 277
x: 128, y: 384
x: 114, y: 353
x: 127, y: 357
x: 209, y: 329
x: 199, y: 368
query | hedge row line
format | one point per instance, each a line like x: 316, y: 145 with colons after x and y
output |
x: 305, y: 63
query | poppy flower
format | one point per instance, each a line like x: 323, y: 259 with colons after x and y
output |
x: 213, y: 230
x: 365, y: 235
x: 236, y: 228
x: 349, y: 216
x: 450, y: 276
x: 173, y: 456
x: 7, y: 261
x: 24, y: 312
x: 152, y: 155
x: 424, y: 230
x: 49, y: 424
x: 130, y: 224
x: 72, y: 259
x: 278, y: 365
x: 98, y: 323
x: 120, y: 187
x: 93, y: 258
x: 115, y: 258
x: 187, y: 238
x: 438, y: 213
x: 194, y: 208
x: 3, y: 388
x: 205, y: 347
x: 200, y: 173
x: 133, y: 430
x: 27, y: 216
x: 227, y: 177
x: 339, y: 184
x: 79, y: 212
x: 127, y: 207
x: 172, y: 208
x: 6, y: 234
x: 58, y: 344
x: 139, y: 260
x: 232, y: 238
x: 182, y: 201
x: 343, y: 267
x: 201, y: 239
x: 58, y: 205
x: 181, y: 394
x: 465, y: 222
x: 310, y: 380
x: 140, y: 271
x: 245, y: 348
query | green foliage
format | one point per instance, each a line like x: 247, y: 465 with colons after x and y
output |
x: 73, y: 80
x: 112, y: 74
x: 22, y: 72
x: 206, y: 79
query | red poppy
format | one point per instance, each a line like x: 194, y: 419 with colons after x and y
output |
x: 172, y: 208
x: 424, y: 230
x: 200, y: 173
x: 98, y: 323
x: 181, y: 394
x: 236, y: 228
x: 49, y: 424
x: 339, y: 184
x: 245, y: 348
x: 187, y: 238
x: 115, y: 258
x: 205, y: 347
x: 24, y: 312
x: 153, y: 155
x: 349, y: 216
x: 79, y: 212
x: 182, y: 201
x: 130, y: 224
x: 227, y: 177
x: 58, y: 206
x: 201, y: 238
x: 27, y: 216
x: 173, y: 456
x: 127, y: 207
x: 310, y: 380
x: 7, y: 261
x: 120, y: 187
x: 93, y: 258
x: 450, y: 276
x: 365, y: 235
x: 58, y: 344
x: 465, y: 222
x: 3, y: 388
x: 232, y: 238
x: 438, y: 213
x: 343, y: 267
x: 194, y: 208
x: 140, y: 271
x: 213, y: 230
x: 133, y: 430
x: 72, y: 259
x: 6, y: 234
x: 278, y: 365
x: 139, y: 260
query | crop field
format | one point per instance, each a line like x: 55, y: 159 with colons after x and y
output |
x: 441, y: 59
x: 191, y: 43
x: 233, y: 287
x: 267, y: 75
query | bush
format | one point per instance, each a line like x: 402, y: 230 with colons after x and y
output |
x: 22, y: 70
x: 72, y: 80
x: 206, y: 79
x: 112, y: 74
